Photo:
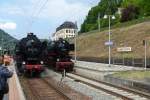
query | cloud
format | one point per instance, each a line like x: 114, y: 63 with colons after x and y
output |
x: 61, y: 9
x: 54, y: 13
x: 11, y: 9
x: 54, y: 10
x: 58, y: 11
x: 8, y: 26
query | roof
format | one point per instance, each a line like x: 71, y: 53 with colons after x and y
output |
x: 67, y: 24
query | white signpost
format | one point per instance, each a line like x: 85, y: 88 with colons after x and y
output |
x: 124, y: 49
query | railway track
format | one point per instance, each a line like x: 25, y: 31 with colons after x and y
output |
x: 124, y: 93
x: 132, y: 90
x: 47, y: 88
x: 40, y: 89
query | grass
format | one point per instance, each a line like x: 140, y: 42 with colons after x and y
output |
x: 138, y: 75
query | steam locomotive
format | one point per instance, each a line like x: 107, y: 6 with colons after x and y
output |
x: 58, y: 56
x: 28, y: 52
x: 32, y: 55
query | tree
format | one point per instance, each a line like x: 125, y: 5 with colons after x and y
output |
x: 104, y: 7
x: 127, y: 3
x: 145, y: 7
x: 129, y: 13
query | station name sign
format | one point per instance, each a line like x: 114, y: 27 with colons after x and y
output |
x: 109, y: 43
x: 124, y: 49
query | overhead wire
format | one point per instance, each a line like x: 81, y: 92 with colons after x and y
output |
x: 36, y: 15
x: 32, y: 14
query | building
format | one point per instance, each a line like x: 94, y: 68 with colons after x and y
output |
x: 66, y: 30
x: 119, y: 12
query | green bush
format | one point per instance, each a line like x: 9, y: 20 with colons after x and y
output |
x: 129, y: 13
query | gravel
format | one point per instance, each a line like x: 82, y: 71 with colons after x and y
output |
x: 85, y: 89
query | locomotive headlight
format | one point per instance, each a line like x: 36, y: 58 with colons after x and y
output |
x: 23, y: 62
x: 42, y: 62
x: 57, y: 59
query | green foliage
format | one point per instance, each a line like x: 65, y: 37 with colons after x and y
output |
x: 132, y: 9
x: 142, y: 8
x: 108, y: 7
x: 145, y: 7
x: 129, y: 13
x: 126, y: 3
x: 7, y: 41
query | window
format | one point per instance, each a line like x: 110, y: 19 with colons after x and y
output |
x: 66, y: 31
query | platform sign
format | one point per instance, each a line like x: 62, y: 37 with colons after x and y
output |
x: 124, y: 49
x: 109, y: 43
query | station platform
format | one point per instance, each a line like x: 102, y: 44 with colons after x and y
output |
x: 105, y: 67
x: 15, y: 90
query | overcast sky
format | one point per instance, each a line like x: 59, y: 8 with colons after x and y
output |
x: 17, y: 17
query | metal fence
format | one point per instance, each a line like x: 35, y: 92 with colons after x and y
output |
x: 137, y: 62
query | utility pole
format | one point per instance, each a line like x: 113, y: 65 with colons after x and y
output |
x: 99, y: 22
x: 76, y: 34
x: 145, y: 47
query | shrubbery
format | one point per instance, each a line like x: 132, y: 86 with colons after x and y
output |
x: 129, y: 13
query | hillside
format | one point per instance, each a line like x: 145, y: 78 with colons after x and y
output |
x: 122, y: 10
x: 92, y: 45
x: 6, y: 41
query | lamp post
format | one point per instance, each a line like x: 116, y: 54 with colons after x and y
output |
x: 109, y: 39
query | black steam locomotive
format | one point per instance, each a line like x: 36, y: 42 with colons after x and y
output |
x: 58, y: 55
x: 29, y: 52
x: 32, y: 55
